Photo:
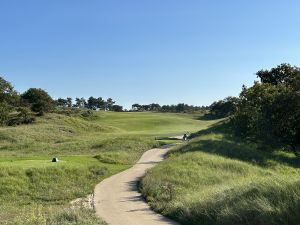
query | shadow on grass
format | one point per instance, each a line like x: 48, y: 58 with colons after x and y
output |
x: 167, y: 139
x: 222, y: 127
x: 235, y: 148
x: 208, y: 117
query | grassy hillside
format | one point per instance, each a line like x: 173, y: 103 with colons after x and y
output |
x: 33, y: 190
x: 216, y: 179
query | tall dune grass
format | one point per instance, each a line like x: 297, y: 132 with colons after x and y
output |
x: 216, y: 179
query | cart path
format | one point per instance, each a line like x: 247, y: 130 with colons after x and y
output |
x: 117, y: 199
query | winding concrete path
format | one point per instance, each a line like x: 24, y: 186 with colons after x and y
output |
x: 117, y: 200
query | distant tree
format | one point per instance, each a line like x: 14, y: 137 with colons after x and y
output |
x: 145, y: 107
x: 136, y: 107
x: 39, y: 100
x: 61, y: 102
x: 155, y: 107
x: 109, y: 104
x: 92, y: 103
x: 165, y: 108
x: 179, y: 107
x: 100, y: 103
x: 117, y: 108
x: 80, y: 103
x: 69, y: 102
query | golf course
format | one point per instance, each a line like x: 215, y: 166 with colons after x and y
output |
x: 35, y: 190
x: 149, y: 112
x: 214, y: 178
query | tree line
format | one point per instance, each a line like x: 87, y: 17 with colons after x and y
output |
x: 179, y: 108
x: 91, y: 103
x: 269, y: 111
x: 16, y: 108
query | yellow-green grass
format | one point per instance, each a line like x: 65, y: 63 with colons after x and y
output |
x: 52, y: 215
x: 216, y: 179
x: 154, y: 123
x: 35, y: 190
x: 59, y: 134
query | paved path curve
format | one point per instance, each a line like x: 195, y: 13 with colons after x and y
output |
x: 117, y: 200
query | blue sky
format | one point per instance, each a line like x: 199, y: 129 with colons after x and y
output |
x: 164, y: 51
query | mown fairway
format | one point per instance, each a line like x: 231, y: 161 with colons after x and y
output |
x: 216, y: 179
x: 35, y: 191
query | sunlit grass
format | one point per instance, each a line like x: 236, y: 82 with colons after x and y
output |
x: 34, y: 189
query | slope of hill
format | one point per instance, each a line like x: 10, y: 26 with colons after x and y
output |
x: 217, y: 179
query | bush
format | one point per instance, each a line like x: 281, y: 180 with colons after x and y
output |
x: 269, y: 111
x: 223, y: 108
x: 39, y: 100
x: 24, y: 116
x: 5, y: 109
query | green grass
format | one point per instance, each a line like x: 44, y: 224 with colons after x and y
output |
x: 216, y: 179
x: 35, y: 190
x: 52, y: 215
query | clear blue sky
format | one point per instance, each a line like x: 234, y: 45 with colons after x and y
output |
x: 145, y: 51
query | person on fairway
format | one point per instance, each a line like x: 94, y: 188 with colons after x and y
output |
x: 184, y: 137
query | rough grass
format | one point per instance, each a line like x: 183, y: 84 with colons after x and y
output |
x: 216, y: 179
x: 52, y: 216
x: 34, y: 191
x: 60, y: 134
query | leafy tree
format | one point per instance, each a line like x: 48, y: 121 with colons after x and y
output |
x: 180, y: 107
x: 166, y: 108
x: 100, y: 103
x: 61, y: 102
x: 280, y: 74
x: 6, y: 89
x: 95, y: 103
x: 69, y: 102
x: 155, y: 107
x: 92, y: 103
x: 224, y: 108
x: 145, y: 107
x: 109, y: 104
x: 5, y: 110
x: 7, y: 93
x: 39, y: 100
x: 269, y: 111
x: 136, y: 107
x: 80, y: 103
x: 117, y: 108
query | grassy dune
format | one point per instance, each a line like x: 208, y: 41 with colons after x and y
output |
x: 35, y: 191
x: 217, y: 179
